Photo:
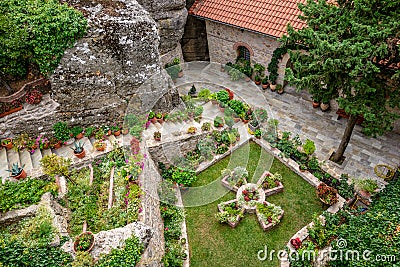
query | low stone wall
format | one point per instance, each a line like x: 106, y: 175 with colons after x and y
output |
x: 168, y: 151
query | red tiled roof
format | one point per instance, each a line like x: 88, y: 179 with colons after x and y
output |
x: 265, y: 16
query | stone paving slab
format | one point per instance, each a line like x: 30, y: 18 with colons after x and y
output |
x: 296, y: 114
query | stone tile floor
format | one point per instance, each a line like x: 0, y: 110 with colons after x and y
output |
x: 296, y: 114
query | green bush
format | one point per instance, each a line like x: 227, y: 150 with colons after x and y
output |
x: 36, y: 33
x: 127, y: 256
x: 223, y: 96
x: 24, y: 193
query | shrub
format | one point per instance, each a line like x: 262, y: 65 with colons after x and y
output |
x: 218, y: 121
x: 185, y: 177
x: 127, y: 255
x: 24, y: 193
x: 223, y: 96
x: 61, y: 131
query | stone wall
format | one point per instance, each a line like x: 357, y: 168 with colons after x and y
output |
x: 194, y: 40
x: 168, y: 151
x: 222, y: 39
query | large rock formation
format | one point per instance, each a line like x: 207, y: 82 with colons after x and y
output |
x: 170, y: 16
x: 103, y: 72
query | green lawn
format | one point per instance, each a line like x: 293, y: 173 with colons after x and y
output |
x: 214, y: 244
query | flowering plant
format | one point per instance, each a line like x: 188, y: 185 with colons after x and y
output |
x: 133, y: 168
x: 41, y: 141
x: 296, y: 243
x: 269, y: 213
x: 271, y: 180
x: 327, y: 194
x: 33, y: 97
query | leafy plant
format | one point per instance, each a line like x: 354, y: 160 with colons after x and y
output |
x: 204, y: 94
x: 327, y: 194
x: 89, y: 131
x: 237, y: 106
x: 258, y: 133
x: 269, y: 213
x: 230, y: 212
x: 192, y: 130
x: 55, y: 165
x: 183, y: 176
x: 24, y: 193
x: 309, y: 147
x: 229, y: 121
x: 33, y: 39
x: 223, y: 96
x: 76, y: 130
x: 62, y: 131
x: 157, y: 135
x: 82, y: 259
x: 78, y: 147
x: 206, y: 126
x: 218, y: 121
x: 198, y: 111
x: 367, y: 185
x: 124, y: 256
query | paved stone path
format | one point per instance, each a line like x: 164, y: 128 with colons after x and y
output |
x: 295, y: 114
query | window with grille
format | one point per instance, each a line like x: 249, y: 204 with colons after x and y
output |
x: 244, y: 53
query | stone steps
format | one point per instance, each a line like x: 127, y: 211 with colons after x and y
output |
x: 32, y: 161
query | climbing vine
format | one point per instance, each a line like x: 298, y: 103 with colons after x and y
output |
x: 273, y: 65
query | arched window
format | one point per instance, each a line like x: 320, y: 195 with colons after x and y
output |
x: 243, y: 52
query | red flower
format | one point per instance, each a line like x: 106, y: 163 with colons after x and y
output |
x: 246, y: 198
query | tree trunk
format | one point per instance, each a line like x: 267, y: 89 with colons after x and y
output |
x: 345, y: 139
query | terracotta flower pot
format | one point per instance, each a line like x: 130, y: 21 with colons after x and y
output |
x: 57, y: 145
x: 117, y: 133
x: 160, y: 120
x: 265, y: 86
x: 272, y: 87
x: 257, y: 82
x: 157, y: 138
x: 125, y: 131
x: 153, y: 120
x: 79, y: 136
x: 180, y: 74
x: 324, y: 106
x: 20, y: 176
x: 315, y: 104
x: 76, y: 241
x: 101, y: 148
x: 80, y: 155
x: 9, y: 145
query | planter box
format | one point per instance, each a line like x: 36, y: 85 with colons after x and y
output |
x: 271, y: 191
x: 265, y: 225
x: 231, y: 224
x: 225, y: 183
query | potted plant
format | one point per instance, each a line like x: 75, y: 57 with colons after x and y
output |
x: 191, y: 130
x: 79, y: 150
x: 325, y: 104
x: 7, y: 143
x: 302, y: 167
x: 99, y: 134
x: 20, y: 141
x: 152, y: 117
x: 258, y: 133
x: 259, y: 70
x: 198, y: 111
x: 327, y: 194
x: 213, y: 98
x: 100, y: 145
x: 253, y: 126
x: 279, y: 89
x: 223, y: 96
x: 366, y: 187
x: 42, y: 142
x: 229, y: 121
x: 159, y: 117
x: 62, y: 132
x: 157, y: 136
x: 55, y: 143
x: 77, y: 132
x: 316, y: 101
x: 89, y: 132
x: 17, y: 172
x: 257, y: 80
x: 218, y: 122
x: 84, y: 242
x: 115, y: 129
x: 264, y: 83
x: 206, y: 126
x: 192, y: 91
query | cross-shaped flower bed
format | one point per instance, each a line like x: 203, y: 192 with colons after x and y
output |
x: 250, y: 198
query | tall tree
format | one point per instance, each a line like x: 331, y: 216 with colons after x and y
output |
x: 35, y: 33
x: 349, y: 51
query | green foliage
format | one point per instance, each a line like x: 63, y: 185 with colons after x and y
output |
x: 15, y: 169
x: 13, y: 253
x: 317, y: 233
x: 36, y: 33
x: 366, y: 184
x: 135, y: 124
x: 376, y: 230
x: 78, y: 147
x: 182, y: 176
x: 89, y: 131
x: 204, y: 94
x: 218, y: 121
x: 24, y: 193
x: 126, y: 256
x: 237, y: 106
x: 55, y: 165
x: 62, y: 131
x: 347, y: 45
x: 223, y: 96
x: 309, y: 147
x: 206, y: 126
x: 273, y: 65
x: 38, y: 231
x: 76, y: 130
x: 206, y: 147
x: 82, y: 259
x: 167, y: 192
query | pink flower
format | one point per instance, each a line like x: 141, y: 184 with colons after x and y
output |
x: 140, y: 210
x: 166, y: 228
x: 127, y: 161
